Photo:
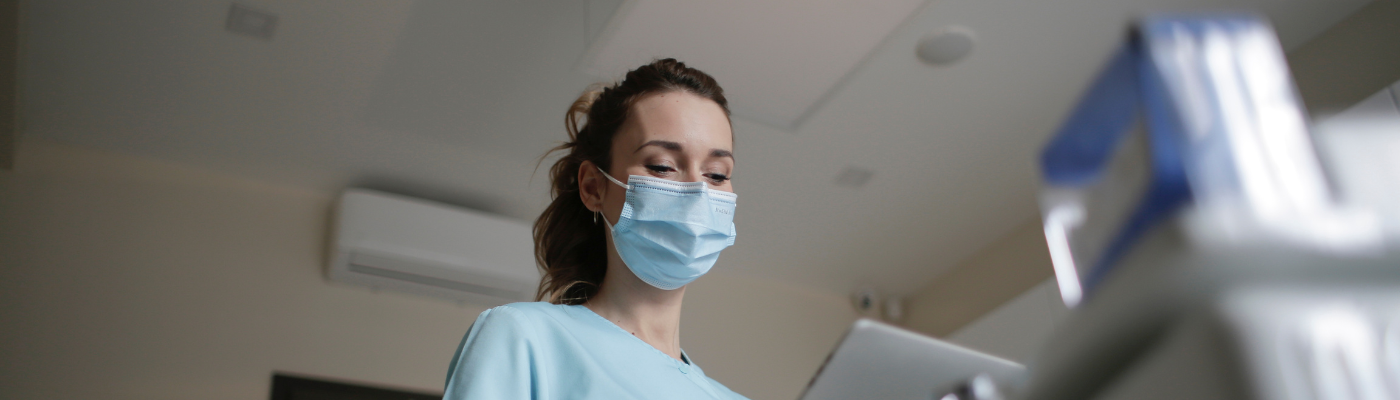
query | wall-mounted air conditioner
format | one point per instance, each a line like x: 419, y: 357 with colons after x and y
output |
x: 398, y: 243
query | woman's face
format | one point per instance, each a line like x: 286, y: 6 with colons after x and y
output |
x: 675, y: 135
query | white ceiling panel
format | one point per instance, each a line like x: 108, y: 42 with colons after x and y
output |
x: 777, y: 59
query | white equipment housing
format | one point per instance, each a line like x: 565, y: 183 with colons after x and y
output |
x: 392, y: 242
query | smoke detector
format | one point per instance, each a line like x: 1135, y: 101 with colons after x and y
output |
x: 946, y: 46
x: 247, y: 21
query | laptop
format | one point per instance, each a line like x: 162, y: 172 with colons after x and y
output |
x: 876, y: 360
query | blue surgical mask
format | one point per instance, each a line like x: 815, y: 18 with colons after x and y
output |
x: 671, y: 233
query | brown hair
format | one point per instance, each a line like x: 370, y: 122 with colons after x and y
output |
x: 570, y: 246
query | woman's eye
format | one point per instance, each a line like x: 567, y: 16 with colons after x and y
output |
x: 660, y: 169
x: 718, y: 178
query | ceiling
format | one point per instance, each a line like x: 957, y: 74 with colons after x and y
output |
x: 455, y: 101
x: 777, y: 58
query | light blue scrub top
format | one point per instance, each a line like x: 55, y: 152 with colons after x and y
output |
x: 551, y: 351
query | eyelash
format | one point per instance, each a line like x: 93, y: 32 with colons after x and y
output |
x: 661, y: 169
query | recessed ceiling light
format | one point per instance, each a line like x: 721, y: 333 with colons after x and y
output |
x: 946, y: 46
x: 854, y: 177
x: 247, y: 21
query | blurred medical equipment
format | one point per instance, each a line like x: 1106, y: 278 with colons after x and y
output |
x: 876, y: 360
x: 980, y: 387
x: 1208, y: 250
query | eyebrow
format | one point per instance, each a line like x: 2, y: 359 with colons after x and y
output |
x: 673, y: 146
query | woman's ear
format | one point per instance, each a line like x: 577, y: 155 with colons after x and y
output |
x: 590, y: 186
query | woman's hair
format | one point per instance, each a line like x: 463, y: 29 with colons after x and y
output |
x: 569, y: 242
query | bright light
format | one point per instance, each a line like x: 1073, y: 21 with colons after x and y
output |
x: 1058, y: 222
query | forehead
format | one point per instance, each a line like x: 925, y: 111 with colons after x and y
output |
x: 697, y: 123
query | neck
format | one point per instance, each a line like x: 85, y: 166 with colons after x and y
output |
x: 652, y: 315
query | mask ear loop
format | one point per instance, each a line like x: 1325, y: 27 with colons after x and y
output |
x: 605, y: 220
x: 614, y: 180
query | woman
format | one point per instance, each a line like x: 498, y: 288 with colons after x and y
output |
x: 642, y: 206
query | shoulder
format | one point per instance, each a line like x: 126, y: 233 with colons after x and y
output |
x: 519, y: 316
x: 508, y: 331
x: 502, y: 353
x: 533, y: 311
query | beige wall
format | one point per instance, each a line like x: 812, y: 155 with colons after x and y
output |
x: 123, y: 277
x: 997, y: 274
x: 1019, y: 329
x: 1351, y: 60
